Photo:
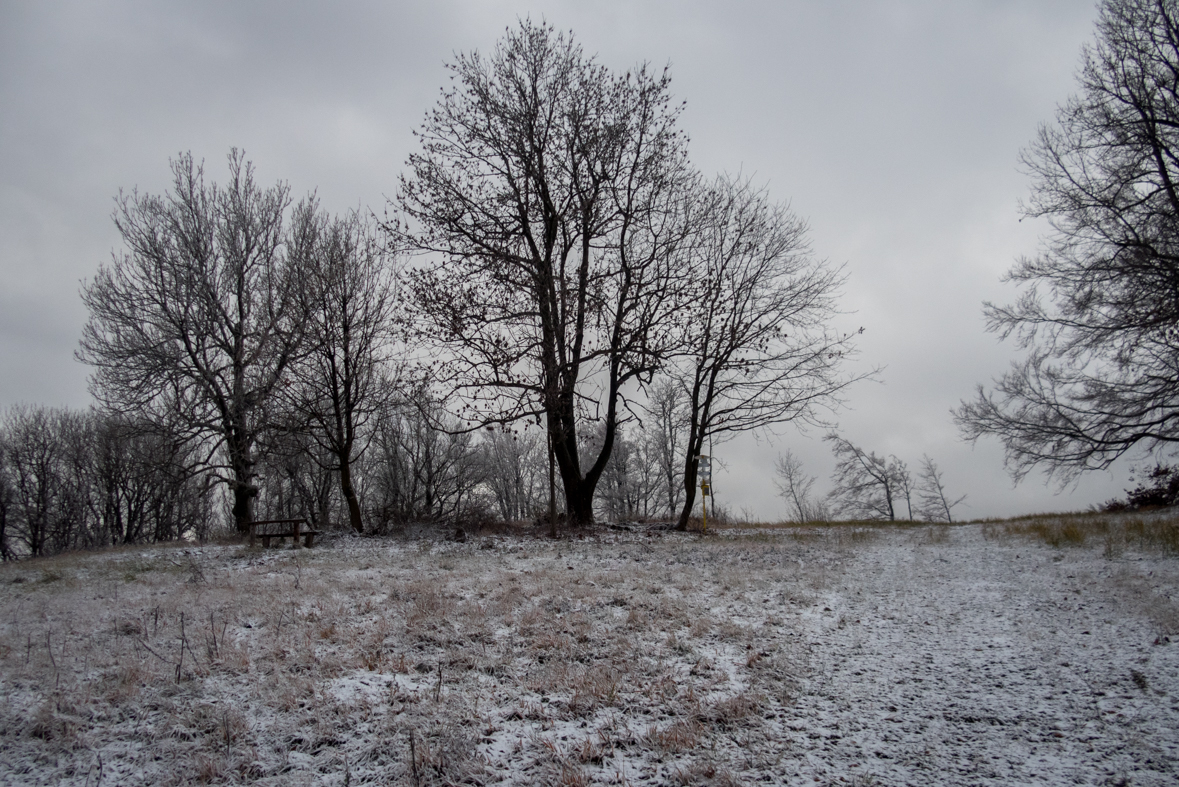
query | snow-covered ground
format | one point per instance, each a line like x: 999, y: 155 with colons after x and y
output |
x: 909, y: 655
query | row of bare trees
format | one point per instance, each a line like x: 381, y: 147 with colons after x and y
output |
x: 865, y: 486
x: 71, y: 480
x: 557, y: 294
x: 250, y: 327
x: 84, y: 479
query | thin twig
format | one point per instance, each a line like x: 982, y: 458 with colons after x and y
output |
x: 98, y: 780
x: 151, y: 651
x: 180, y: 663
x: 413, y: 758
x: 215, y: 652
x: 53, y: 661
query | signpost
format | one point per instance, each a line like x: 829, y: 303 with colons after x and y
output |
x: 704, y: 473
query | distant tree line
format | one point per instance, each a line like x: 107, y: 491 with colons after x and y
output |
x: 72, y: 480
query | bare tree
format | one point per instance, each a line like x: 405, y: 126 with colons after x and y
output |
x: 631, y: 484
x: 48, y: 504
x: 932, y: 503
x: 421, y: 468
x: 550, y: 190
x: 145, y: 483
x: 296, y: 477
x: 516, y: 472
x: 81, y: 479
x: 6, y: 501
x: 1100, y: 315
x: 346, y: 290
x: 796, y: 488
x: 866, y: 486
x: 756, y: 350
x: 664, y: 429
x: 904, y: 484
x: 195, y: 319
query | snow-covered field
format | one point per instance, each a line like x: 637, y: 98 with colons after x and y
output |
x: 849, y: 655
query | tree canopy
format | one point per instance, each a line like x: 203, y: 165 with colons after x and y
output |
x: 547, y: 190
x: 1099, y: 317
x: 197, y: 320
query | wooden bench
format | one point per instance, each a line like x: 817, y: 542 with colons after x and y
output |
x: 293, y: 529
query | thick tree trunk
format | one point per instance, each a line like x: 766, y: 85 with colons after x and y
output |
x: 579, y: 489
x: 686, y: 511
x: 243, y: 505
x: 691, y: 464
x: 350, y: 496
x: 244, y: 490
x: 580, y: 503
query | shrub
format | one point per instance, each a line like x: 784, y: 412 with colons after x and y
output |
x: 1159, y: 489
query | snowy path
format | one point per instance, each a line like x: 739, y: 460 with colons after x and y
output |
x: 973, y: 661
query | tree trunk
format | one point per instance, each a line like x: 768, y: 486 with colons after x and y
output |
x: 350, y: 495
x: 579, y: 490
x: 243, y: 505
x: 691, y: 465
x: 552, y: 489
x: 244, y: 490
x: 686, y: 511
x: 579, y: 499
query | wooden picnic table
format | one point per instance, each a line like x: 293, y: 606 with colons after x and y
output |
x: 293, y: 529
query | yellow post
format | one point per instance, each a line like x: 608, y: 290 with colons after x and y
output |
x: 704, y: 473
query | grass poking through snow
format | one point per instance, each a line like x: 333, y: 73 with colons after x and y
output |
x: 381, y: 662
x: 625, y: 658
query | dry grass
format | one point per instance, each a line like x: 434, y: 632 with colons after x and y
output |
x: 1155, y: 532
x: 651, y: 658
x: 392, y: 661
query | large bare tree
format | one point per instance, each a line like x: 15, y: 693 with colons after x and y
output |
x: 755, y: 349
x: 197, y: 316
x: 547, y: 194
x: 346, y: 291
x: 1100, y: 315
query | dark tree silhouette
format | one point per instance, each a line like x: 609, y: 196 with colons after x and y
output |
x: 755, y: 350
x: 867, y: 486
x: 1100, y: 316
x: 547, y: 189
x: 932, y: 503
x: 795, y: 487
x: 197, y: 318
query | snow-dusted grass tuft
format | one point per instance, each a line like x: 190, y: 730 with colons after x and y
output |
x: 834, y: 655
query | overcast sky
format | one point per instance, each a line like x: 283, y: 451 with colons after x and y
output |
x: 894, y: 128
